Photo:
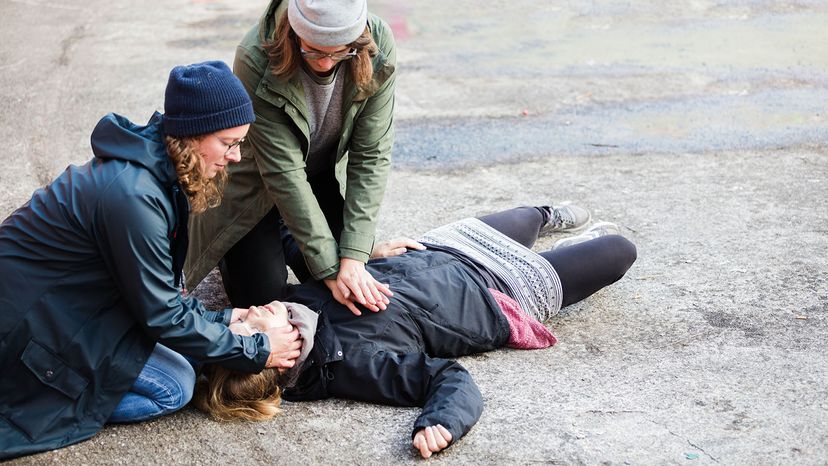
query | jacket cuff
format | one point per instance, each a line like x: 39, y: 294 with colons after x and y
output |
x: 222, y: 317
x: 225, y: 316
x: 356, y: 246
x: 257, y: 348
x: 323, y: 265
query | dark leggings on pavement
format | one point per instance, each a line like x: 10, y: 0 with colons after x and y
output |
x: 583, y: 268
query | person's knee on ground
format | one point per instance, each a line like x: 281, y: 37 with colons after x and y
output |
x: 179, y: 372
x: 587, y: 267
x: 624, y: 253
x: 164, y: 386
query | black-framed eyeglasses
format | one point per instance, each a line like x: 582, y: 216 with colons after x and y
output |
x: 231, y: 146
x: 336, y: 56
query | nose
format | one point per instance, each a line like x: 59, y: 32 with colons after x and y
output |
x: 325, y: 64
x: 234, y: 155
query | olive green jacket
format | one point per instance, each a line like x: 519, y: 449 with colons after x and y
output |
x: 272, y: 167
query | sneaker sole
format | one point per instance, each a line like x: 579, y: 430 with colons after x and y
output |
x: 582, y: 238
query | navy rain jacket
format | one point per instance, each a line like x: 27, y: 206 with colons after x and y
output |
x: 88, y: 273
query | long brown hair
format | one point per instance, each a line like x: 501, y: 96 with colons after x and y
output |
x: 227, y: 395
x: 285, y: 57
x: 202, y: 192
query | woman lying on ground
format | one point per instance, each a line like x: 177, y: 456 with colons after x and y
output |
x: 91, y: 267
x: 476, y: 288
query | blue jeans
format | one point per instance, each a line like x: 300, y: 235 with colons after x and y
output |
x: 164, y: 385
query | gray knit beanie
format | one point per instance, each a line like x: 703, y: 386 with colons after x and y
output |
x: 328, y: 22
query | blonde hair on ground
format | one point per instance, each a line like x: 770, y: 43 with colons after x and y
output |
x: 227, y: 395
x: 202, y: 192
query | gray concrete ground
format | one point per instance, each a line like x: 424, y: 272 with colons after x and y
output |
x: 699, y: 126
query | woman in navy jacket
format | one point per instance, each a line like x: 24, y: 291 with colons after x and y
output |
x: 91, y: 269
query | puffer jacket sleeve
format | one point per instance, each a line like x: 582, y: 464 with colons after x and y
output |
x: 281, y: 164
x: 369, y: 161
x: 443, y: 388
x: 131, y: 229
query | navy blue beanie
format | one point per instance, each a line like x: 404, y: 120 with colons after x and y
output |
x: 203, y: 98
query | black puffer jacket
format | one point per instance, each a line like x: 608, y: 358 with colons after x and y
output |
x: 88, y: 271
x: 441, y: 309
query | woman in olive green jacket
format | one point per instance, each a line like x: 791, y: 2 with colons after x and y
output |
x: 315, y: 163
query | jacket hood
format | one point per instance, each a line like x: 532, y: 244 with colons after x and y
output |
x: 115, y: 137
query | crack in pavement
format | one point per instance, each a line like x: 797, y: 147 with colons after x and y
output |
x: 715, y: 460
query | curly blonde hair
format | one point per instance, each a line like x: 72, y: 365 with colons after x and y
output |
x: 285, y: 56
x: 227, y: 395
x: 202, y: 192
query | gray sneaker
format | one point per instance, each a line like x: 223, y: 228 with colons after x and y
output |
x: 566, y: 217
x: 595, y: 231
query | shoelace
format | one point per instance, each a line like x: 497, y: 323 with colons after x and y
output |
x: 559, y: 219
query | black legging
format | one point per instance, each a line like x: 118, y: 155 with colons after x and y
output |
x: 254, y: 270
x: 583, y: 268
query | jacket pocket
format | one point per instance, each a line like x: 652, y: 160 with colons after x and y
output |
x: 45, y: 393
x: 451, y: 337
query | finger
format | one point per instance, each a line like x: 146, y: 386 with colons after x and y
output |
x: 444, y: 433
x: 398, y: 251
x: 422, y: 445
x: 285, y: 363
x: 429, y: 435
x: 367, y: 286
x: 296, y: 345
x: 372, y: 307
x: 343, y: 288
x: 339, y: 298
x: 376, y: 289
x: 287, y: 329
x: 408, y: 243
x: 411, y: 244
x: 287, y: 355
x: 384, y: 288
x: 439, y: 436
x: 369, y: 291
x: 350, y: 305
x: 292, y: 333
x: 398, y: 242
x: 356, y: 291
x: 416, y: 441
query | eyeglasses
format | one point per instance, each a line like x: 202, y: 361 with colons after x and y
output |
x: 230, y: 146
x: 336, y: 56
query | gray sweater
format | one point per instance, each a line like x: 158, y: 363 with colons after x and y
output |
x: 324, y: 99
